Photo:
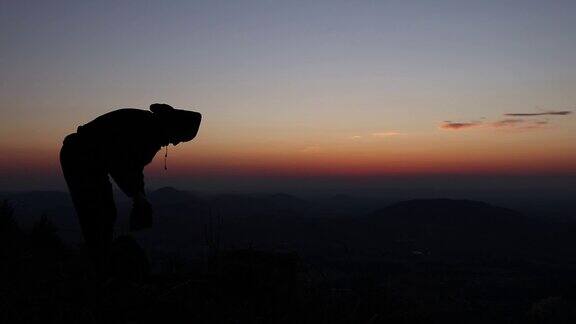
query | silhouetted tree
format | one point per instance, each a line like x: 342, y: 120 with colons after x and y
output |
x: 44, y: 237
x: 12, y: 242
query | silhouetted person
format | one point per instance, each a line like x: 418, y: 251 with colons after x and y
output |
x: 120, y: 144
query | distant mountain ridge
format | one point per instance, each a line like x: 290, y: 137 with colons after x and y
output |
x: 462, y: 227
x: 436, y: 227
x: 445, y: 211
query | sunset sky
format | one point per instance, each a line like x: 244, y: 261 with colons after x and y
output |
x: 297, y: 89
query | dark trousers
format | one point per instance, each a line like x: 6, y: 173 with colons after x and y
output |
x: 91, y: 192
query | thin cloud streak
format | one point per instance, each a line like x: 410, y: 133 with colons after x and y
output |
x: 547, y: 113
x: 520, y: 124
x: 508, y: 122
x: 311, y: 149
x: 511, y: 124
x: 385, y: 134
x: 459, y: 125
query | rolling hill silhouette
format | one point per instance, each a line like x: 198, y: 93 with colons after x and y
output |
x: 427, y: 259
x: 451, y: 227
x: 333, y: 225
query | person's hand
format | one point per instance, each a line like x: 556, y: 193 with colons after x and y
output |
x: 141, y: 215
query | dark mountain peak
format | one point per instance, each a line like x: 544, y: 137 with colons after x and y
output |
x: 453, y: 227
x: 171, y: 195
x: 448, y: 210
x: 442, y: 203
x: 281, y: 195
x: 37, y: 201
x: 37, y: 195
x: 285, y: 203
x: 284, y: 198
x: 341, y: 197
x: 233, y: 198
x: 167, y: 190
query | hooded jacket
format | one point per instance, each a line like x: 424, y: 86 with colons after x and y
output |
x: 125, y: 141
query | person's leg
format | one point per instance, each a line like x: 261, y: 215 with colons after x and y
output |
x: 92, y: 195
x: 97, y: 214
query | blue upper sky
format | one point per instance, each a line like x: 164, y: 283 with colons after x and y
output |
x: 287, y: 71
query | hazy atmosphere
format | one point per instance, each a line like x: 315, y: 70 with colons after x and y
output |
x: 288, y: 161
x: 300, y: 94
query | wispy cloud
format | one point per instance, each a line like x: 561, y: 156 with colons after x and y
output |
x: 355, y: 137
x: 520, y: 124
x: 508, y: 122
x: 449, y: 125
x: 546, y: 113
x: 311, y: 149
x: 523, y: 121
x: 535, y: 125
x: 386, y: 134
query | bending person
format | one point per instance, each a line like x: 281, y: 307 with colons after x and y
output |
x: 120, y: 144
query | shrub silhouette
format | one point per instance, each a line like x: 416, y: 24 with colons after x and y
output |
x: 12, y: 242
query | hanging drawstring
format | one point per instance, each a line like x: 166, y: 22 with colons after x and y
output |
x: 165, y: 158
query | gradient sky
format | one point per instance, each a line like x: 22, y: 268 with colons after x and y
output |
x: 292, y: 89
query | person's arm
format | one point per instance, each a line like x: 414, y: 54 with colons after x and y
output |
x: 132, y: 148
x: 139, y: 197
x: 129, y: 177
x: 141, y: 215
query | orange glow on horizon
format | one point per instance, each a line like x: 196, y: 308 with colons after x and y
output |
x: 343, y: 164
x: 398, y: 154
